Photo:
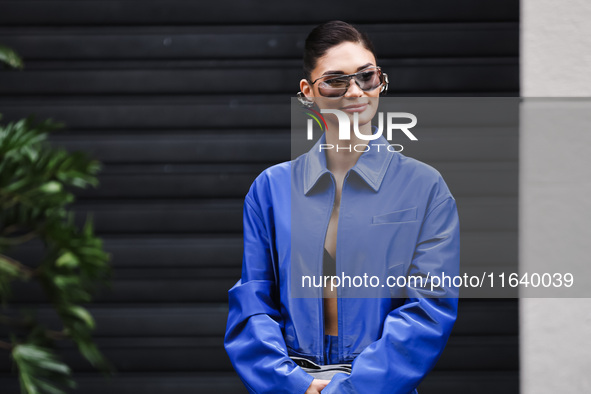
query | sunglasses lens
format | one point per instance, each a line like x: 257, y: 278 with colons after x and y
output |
x: 337, y: 87
x: 369, y: 80
x: 333, y: 87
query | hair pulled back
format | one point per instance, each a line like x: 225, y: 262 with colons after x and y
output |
x: 327, y: 35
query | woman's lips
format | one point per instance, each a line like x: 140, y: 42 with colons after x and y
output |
x: 355, y: 108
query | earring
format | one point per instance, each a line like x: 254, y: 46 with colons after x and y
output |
x: 384, y: 89
x: 304, y: 100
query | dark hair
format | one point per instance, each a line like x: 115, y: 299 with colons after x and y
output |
x: 327, y: 35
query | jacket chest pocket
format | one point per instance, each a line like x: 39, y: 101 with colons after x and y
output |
x: 400, y: 216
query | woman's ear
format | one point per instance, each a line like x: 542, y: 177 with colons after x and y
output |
x: 306, y: 88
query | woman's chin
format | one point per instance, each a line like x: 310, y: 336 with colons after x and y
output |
x: 364, y: 119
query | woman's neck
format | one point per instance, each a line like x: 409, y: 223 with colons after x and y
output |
x: 344, y: 153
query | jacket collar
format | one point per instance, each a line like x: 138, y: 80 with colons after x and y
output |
x: 371, y: 165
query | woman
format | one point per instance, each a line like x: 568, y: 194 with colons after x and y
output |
x: 395, y: 216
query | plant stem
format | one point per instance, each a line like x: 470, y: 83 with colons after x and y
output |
x: 53, y: 334
x: 57, y: 335
x: 28, y: 272
x: 19, y: 240
x: 10, y: 229
x: 7, y: 320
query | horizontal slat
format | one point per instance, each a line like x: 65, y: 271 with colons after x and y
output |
x: 466, y: 353
x: 100, y: 113
x: 193, y: 289
x: 155, y: 354
x: 220, y: 181
x: 147, y: 383
x: 148, y: 251
x: 169, y: 147
x: 250, y: 63
x: 154, y: 12
x: 145, y: 320
x: 223, y: 181
x: 236, y: 42
x: 481, y: 382
x: 437, y: 382
x: 211, y: 285
x: 187, y: 287
x: 475, y: 317
x: 464, y: 144
x: 487, y: 317
x: 225, y: 216
x: 480, y: 179
x: 201, y: 252
x: 481, y: 248
x: 459, y: 144
x: 416, y: 78
x: 164, y: 216
x: 487, y: 213
x: 207, y: 354
x: 246, y: 113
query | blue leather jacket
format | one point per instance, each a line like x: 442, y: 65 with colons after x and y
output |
x: 396, y: 213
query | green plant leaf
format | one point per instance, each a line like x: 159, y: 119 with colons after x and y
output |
x: 40, y: 370
x: 48, y: 387
x: 10, y: 57
x: 8, y: 272
x: 67, y: 259
x: 35, y: 181
x: 8, y: 268
x: 51, y: 187
x: 63, y: 281
x: 81, y: 314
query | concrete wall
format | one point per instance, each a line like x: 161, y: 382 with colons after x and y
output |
x: 555, y: 192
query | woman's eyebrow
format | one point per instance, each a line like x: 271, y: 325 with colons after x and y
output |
x: 332, y: 72
x: 364, y: 66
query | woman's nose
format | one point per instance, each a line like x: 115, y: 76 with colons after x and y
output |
x: 355, y: 90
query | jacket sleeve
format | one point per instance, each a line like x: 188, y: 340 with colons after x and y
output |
x: 254, y: 340
x: 414, y: 334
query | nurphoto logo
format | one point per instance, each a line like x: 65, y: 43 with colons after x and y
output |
x: 345, y: 128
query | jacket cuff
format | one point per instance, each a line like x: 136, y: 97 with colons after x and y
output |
x: 304, y: 379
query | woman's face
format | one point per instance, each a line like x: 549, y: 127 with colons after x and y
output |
x: 345, y: 58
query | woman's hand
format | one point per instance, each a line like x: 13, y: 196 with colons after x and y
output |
x: 316, y: 386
